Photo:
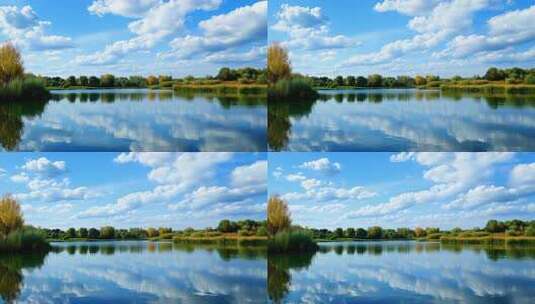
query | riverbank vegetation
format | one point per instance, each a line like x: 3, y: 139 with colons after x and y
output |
x: 283, y: 85
x: 283, y: 238
x: 227, y: 231
x: 495, y: 232
x: 244, y: 232
x: 15, y: 85
x: 227, y: 81
x: 14, y: 235
x: 512, y: 81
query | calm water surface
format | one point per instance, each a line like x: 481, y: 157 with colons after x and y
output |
x: 403, y: 120
x: 403, y: 272
x: 135, y: 120
x: 135, y: 272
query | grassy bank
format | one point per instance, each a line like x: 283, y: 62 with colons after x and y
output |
x: 221, y: 88
x: 24, y: 240
x: 23, y: 90
x: 487, y: 87
x: 497, y: 239
x: 218, y: 238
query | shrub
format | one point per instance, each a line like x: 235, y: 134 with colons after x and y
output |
x: 27, y: 89
x: 295, y: 89
x: 24, y: 240
x: 292, y: 241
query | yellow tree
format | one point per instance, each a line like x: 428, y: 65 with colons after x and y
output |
x: 152, y: 80
x: 278, y: 215
x: 11, y: 65
x: 279, y: 66
x: 11, y: 218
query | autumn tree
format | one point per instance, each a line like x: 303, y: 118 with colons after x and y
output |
x: 11, y: 218
x: 153, y: 80
x: 279, y: 66
x: 278, y: 215
x: 11, y: 65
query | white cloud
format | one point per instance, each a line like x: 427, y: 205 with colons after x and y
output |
x: 407, y: 7
x: 323, y: 165
x: 446, y: 19
x: 401, y: 157
x: 452, y: 175
x: 295, y: 177
x: 183, y: 177
x: 23, y: 27
x: 254, y: 174
x: 222, y: 33
x: 523, y: 174
x: 126, y: 8
x: 308, y: 29
x: 159, y: 21
x: 45, y: 167
x: 2, y: 172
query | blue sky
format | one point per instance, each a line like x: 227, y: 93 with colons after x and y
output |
x: 447, y: 190
x: 135, y: 189
x: 125, y: 37
x: 404, y: 37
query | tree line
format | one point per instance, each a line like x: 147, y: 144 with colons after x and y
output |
x: 510, y: 76
x: 511, y: 228
x: 245, y: 75
x: 244, y: 227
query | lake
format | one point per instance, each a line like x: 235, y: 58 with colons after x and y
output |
x: 403, y: 272
x: 403, y: 120
x: 135, y: 272
x: 135, y: 120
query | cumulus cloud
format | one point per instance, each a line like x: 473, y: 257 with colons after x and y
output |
x: 183, y: 182
x: 308, y: 29
x: 42, y: 178
x: 433, y: 27
x: 254, y: 174
x: 126, y: 8
x: 407, y: 7
x: 452, y: 175
x: 323, y: 165
x: 222, y: 33
x: 504, y: 32
x: 23, y: 27
x: 156, y: 21
x: 45, y: 167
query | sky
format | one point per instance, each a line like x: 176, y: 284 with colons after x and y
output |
x: 446, y: 190
x: 135, y: 37
x: 404, y: 37
x: 126, y: 190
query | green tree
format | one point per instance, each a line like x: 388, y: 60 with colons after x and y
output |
x: 375, y: 232
x: 350, y: 233
x: 362, y: 82
x: 419, y: 232
x: 71, y: 233
x: 83, y: 233
x: 375, y: 80
x: 84, y: 81
x: 339, y: 81
x: 107, y: 232
x: 351, y: 81
x: 94, y: 81
x: 226, y: 74
x: 361, y: 233
x: 93, y: 233
x: 339, y: 233
x: 107, y: 81
x: 71, y: 81
x: 494, y: 74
